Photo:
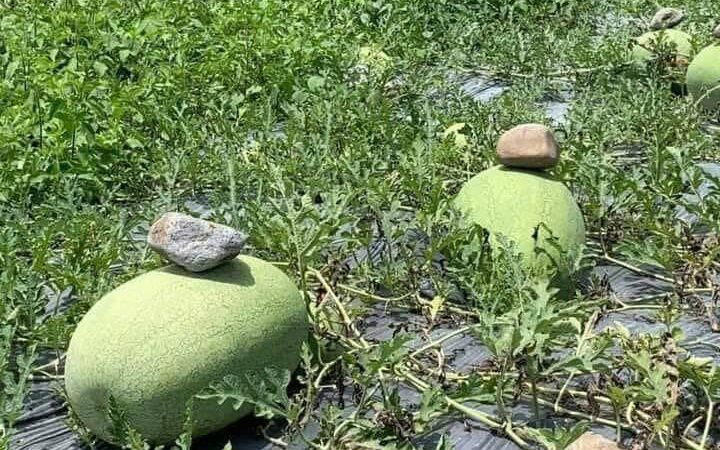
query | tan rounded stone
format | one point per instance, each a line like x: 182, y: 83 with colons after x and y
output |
x: 528, y: 146
x: 592, y: 441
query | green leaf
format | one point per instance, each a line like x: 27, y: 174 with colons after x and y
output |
x: 453, y: 130
x: 435, y: 305
x: 654, y: 385
x: 315, y: 82
x: 265, y: 389
x: 100, y: 68
x: 184, y: 441
x: 559, y: 438
x: 444, y: 444
x: 133, y: 143
x: 476, y: 389
x: 388, y: 353
x: 667, y: 417
x: 431, y: 406
x: 121, y: 430
x: 617, y: 396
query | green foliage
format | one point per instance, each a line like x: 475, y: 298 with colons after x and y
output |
x: 560, y: 438
x: 121, y: 431
x: 388, y: 353
x: 327, y: 128
x: 265, y: 389
x: 14, y: 383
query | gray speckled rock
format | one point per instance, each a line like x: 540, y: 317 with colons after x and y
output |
x: 195, y: 244
x: 716, y: 32
x: 666, y: 18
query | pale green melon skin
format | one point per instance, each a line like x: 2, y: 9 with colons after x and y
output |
x: 159, y: 339
x: 513, y: 202
x: 642, y: 52
x: 703, y: 75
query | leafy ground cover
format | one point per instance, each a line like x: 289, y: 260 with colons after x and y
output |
x: 330, y: 129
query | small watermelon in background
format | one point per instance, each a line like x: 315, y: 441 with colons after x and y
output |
x: 664, y: 34
x: 521, y: 202
x: 645, y: 45
x: 156, y: 341
x: 703, y: 75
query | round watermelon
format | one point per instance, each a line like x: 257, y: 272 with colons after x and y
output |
x: 537, y: 214
x: 156, y: 341
x: 703, y: 77
x: 644, y: 48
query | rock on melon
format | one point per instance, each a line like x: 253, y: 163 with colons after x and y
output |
x: 514, y: 203
x: 644, y: 47
x: 159, y: 339
x: 703, y: 77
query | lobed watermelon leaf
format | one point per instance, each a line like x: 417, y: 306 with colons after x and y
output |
x: 265, y: 389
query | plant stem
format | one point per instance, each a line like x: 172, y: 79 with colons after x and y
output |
x: 52, y: 364
x: 559, y: 74
x: 536, y: 406
x: 440, y: 340
x: 341, y: 309
x: 627, y: 307
x: 370, y: 296
x: 691, y: 424
x: 636, y: 269
x: 708, y: 422
x: 706, y: 95
x: 591, y: 418
x: 562, y: 390
x: 472, y: 413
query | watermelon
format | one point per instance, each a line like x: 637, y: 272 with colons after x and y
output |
x: 643, y: 50
x: 156, y: 341
x: 703, y: 77
x: 514, y: 203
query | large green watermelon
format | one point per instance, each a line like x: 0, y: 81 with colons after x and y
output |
x: 644, y: 48
x: 514, y: 203
x: 703, y: 77
x: 159, y: 339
